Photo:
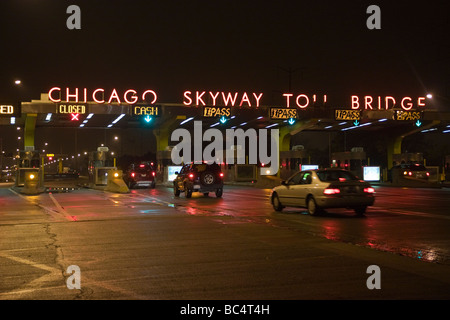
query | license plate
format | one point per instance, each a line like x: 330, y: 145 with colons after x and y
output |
x: 143, y: 175
x: 196, y: 186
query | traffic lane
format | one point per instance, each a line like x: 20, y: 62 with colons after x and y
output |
x: 28, y: 254
x: 428, y: 200
x: 125, y: 253
x: 195, y: 257
x: 400, y: 222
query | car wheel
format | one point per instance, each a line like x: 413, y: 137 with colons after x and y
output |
x: 313, y: 208
x: 153, y: 185
x: 219, y: 192
x: 360, y: 210
x: 176, y: 191
x: 187, y: 192
x: 130, y: 185
x: 276, y: 203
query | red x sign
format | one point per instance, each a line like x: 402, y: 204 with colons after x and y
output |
x: 75, y: 116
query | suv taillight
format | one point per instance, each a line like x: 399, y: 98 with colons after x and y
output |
x: 191, y: 176
x: 133, y: 174
x: 221, y: 174
x: 153, y: 173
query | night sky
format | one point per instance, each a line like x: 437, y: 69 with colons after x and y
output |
x: 173, y: 46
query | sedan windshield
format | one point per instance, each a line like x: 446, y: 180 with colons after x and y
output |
x: 335, y: 175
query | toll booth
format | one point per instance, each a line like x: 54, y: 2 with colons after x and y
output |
x: 100, y: 162
x: 353, y: 160
x: 447, y: 168
x: 291, y: 161
x: 28, y: 164
x: 164, y: 164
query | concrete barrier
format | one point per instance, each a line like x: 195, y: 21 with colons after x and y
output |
x: 115, y: 182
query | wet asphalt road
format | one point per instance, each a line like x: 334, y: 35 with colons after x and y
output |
x: 150, y: 245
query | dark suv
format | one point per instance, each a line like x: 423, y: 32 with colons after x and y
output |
x: 199, y: 177
x: 141, y: 175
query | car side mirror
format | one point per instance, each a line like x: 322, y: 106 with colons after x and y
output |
x: 283, y: 183
x: 176, y: 172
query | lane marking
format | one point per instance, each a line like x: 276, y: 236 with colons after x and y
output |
x: 61, y: 209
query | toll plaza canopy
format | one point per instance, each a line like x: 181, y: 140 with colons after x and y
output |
x: 77, y: 108
x: 298, y: 113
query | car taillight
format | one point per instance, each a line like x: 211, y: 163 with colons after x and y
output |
x: 191, y: 176
x: 331, y: 191
x: 154, y: 173
x: 369, y: 190
x: 410, y: 173
x: 221, y: 174
x: 428, y: 174
x: 133, y: 174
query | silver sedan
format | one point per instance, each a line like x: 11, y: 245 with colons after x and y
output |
x: 320, y: 189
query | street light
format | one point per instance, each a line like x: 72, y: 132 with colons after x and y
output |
x: 429, y: 96
x: 18, y: 82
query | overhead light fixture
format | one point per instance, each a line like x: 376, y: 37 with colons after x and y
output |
x: 48, y: 117
x: 272, y: 125
x: 118, y: 118
x: 90, y: 115
x: 185, y: 121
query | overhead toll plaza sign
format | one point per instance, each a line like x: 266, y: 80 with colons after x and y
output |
x: 347, y: 115
x: 283, y: 113
x: 408, y: 115
x: 72, y: 108
x: 146, y: 110
x: 211, y: 112
x: 8, y: 110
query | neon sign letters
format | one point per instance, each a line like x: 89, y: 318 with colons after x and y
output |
x: 219, y: 99
x: 76, y: 95
x: 370, y: 103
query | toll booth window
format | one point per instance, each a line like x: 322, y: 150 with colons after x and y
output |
x: 355, y: 164
x: 200, y: 167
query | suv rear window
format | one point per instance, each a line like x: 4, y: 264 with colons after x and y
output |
x: 416, y: 168
x: 335, y: 175
x: 206, y: 167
